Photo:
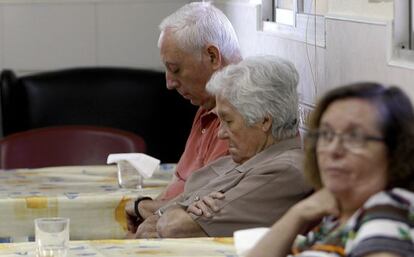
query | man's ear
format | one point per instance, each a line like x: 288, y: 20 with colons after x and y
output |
x: 266, y: 123
x: 214, y: 56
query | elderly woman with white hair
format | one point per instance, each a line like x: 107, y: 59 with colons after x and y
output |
x: 257, y: 103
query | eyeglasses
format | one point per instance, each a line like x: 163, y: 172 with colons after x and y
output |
x: 323, y: 138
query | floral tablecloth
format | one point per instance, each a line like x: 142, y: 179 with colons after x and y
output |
x: 197, y: 247
x: 88, y: 195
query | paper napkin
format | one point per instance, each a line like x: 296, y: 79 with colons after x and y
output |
x: 144, y: 164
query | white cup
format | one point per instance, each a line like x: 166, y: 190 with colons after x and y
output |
x: 246, y: 239
x: 52, y: 237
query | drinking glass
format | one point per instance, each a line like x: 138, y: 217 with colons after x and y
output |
x: 128, y: 176
x: 52, y: 237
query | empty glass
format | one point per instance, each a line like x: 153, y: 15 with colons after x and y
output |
x: 128, y: 176
x: 52, y: 237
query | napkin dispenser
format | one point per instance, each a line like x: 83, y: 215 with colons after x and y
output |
x: 133, y: 168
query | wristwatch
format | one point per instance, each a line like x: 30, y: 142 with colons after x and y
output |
x: 139, y: 199
x: 164, y: 208
x: 159, y: 212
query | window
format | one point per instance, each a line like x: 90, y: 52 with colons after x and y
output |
x: 308, y: 7
x: 403, y: 34
x: 403, y: 28
x: 296, y: 19
x: 280, y: 11
x: 286, y: 11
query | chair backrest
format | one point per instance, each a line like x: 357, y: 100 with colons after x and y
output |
x: 134, y: 100
x: 66, y: 145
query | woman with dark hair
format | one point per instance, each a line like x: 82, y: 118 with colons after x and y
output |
x: 359, y: 157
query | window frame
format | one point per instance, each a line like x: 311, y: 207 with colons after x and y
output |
x: 401, y: 35
x: 302, y: 29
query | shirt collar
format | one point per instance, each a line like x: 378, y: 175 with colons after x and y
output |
x: 207, y: 116
x: 267, y: 154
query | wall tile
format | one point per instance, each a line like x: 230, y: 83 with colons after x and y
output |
x: 44, y: 36
x: 254, y: 42
x: 357, y: 52
x: 128, y: 33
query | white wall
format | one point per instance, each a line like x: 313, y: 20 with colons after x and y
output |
x: 244, y: 18
x: 357, y: 45
x: 380, y: 9
x: 49, y: 34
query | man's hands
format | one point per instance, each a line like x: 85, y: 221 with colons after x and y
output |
x: 131, y: 217
x: 137, y: 227
x: 207, y: 205
x: 148, y: 228
x: 176, y: 222
x: 146, y: 207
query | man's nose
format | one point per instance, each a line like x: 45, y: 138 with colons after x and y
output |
x: 221, y: 134
x: 172, y: 82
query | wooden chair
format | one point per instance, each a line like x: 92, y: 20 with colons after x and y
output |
x: 66, y: 145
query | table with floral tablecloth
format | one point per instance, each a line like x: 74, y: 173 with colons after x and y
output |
x: 186, y: 247
x: 88, y: 195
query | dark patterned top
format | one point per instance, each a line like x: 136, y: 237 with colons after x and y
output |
x: 384, y: 224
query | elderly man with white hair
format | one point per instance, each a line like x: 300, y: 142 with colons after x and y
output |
x: 257, y: 104
x: 195, y: 41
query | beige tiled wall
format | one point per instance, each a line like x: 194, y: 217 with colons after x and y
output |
x: 356, y: 46
x: 42, y: 35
